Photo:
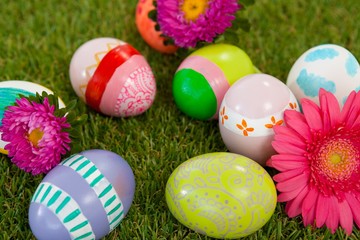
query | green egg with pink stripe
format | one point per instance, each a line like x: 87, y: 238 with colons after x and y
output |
x: 202, y: 79
x: 85, y: 197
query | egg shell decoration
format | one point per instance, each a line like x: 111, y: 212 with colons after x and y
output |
x: 203, y: 78
x: 10, y: 91
x: 84, y: 197
x: 147, y: 30
x: 112, y: 77
x: 221, y: 195
x: 327, y: 66
x: 249, y: 110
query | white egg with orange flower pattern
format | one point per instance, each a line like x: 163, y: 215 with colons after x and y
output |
x: 250, y: 109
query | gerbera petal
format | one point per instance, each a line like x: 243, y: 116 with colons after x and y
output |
x: 330, y: 104
x: 289, y: 132
x: 347, y: 106
x: 291, y: 140
x: 294, y: 183
x: 285, y: 147
x: 289, y: 165
x: 283, y: 176
x: 297, y: 122
x: 322, y: 210
x: 293, y: 208
x: 310, y: 200
x: 354, y: 206
x: 312, y: 114
x: 332, y: 221
x: 346, y: 217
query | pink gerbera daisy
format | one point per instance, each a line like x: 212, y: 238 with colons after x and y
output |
x: 190, y: 21
x: 37, y: 138
x: 319, y: 162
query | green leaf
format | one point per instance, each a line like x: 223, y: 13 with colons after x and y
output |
x: 153, y: 15
x: 246, y: 2
x: 241, y: 23
x: 231, y: 36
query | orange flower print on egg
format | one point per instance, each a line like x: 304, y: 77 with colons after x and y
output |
x: 274, y: 122
x: 223, y: 116
x: 293, y: 105
x: 244, y: 127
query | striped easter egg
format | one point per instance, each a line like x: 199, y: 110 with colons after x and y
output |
x: 202, y: 79
x: 112, y: 77
x: 84, y: 197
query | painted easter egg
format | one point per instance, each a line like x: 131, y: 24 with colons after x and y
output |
x: 112, y: 77
x: 221, y: 195
x: 11, y: 90
x: 84, y: 197
x: 327, y: 66
x: 249, y: 110
x: 203, y: 78
x: 147, y: 29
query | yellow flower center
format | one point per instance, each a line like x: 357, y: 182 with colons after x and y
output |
x: 338, y: 159
x: 193, y: 8
x: 35, y: 136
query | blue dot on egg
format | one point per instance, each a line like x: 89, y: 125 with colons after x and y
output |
x: 321, y: 54
x: 310, y: 83
x: 351, y: 65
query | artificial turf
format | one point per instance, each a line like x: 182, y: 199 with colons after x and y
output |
x: 37, y: 41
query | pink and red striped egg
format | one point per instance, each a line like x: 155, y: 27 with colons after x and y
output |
x: 112, y: 77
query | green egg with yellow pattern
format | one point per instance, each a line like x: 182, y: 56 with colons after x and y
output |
x: 221, y: 195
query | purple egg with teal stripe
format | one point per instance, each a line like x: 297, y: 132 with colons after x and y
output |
x: 85, y: 197
x: 203, y: 78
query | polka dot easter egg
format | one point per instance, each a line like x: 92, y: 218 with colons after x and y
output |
x: 327, y: 66
x: 221, y: 195
x: 248, y: 112
x: 11, y: 90
x: 84, y: 197
x: 112, y: 77
x: 203, y: 78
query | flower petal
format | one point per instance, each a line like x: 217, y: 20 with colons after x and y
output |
x: 291, y: 140
x: 297, y: 122
x: 312, y: 114
x: 330, y: 104
x: 322, y: 210
x: 289, y: 165
x: 310, y: 200
x: 285, y: 147
x: 347, y: 106
x: 332, y: 221
x: 294, y: 183
x: 293, y: 208
x: 346, y: 217
x: 354, y: 206
x: 287, y: 131
x: 283, y: 176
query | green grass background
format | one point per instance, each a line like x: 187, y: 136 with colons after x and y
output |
x: 37, y: 41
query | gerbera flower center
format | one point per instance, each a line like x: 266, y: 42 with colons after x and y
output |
x: 35, y: 136
x: 192, y: 9
x: 337, y: 159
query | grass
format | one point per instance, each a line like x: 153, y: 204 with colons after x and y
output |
x: 37, y: 40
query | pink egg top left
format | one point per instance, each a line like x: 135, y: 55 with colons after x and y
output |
x: 112, y: 77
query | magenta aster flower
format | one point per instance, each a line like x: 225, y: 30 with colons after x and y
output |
x: 319, y: 162
x: 37, y: 138
x: 190, y: 21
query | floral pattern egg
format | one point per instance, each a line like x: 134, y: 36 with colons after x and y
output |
x: 11, y: 90
x: 85, y: 197
x: 248, y: 112
x: 112, y: 77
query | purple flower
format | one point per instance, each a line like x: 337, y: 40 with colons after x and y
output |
x: 190, y: 21
x: 37, y: 138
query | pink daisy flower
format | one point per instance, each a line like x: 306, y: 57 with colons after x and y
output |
x: 36, y: 136
x: 319, y: 162
x: 190, y: 21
